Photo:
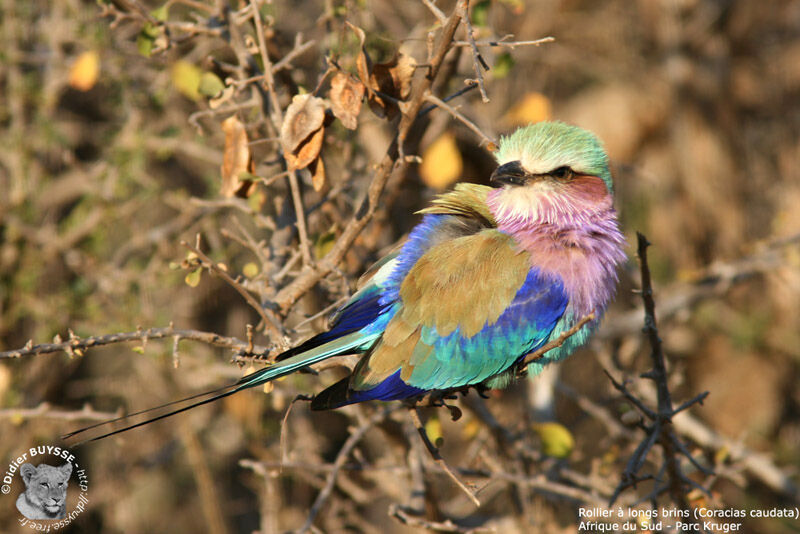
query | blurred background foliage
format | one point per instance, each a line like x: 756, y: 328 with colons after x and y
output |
x: 111, y: 153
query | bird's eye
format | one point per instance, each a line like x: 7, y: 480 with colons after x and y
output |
x: 561, y: 173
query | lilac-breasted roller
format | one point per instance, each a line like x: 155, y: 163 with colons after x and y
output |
x: 489, y: 275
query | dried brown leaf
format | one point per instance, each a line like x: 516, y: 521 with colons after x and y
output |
x: 363, y: 61
x: 306, y: 152
x: 303, y: 119
x: 236, y: 159
x: 394, y: 77
x: 391, y: 79
x: 317, y: 168
x: 346, y: 95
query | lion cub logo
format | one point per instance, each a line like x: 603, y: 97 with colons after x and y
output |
x: 45, y: 494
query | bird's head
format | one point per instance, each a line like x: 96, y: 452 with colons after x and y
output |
x: 550, y: 172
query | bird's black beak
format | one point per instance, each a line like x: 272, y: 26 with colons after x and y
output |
x: 510, y: 173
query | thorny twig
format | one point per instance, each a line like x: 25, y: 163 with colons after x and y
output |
x: 509, y: 44
x: 437, y: 457
x: 270, y: 322
x: 467, y: 88
x: 757, y: 464
x: 76, y: 344
x: 485, y: 139
x: 46, y: 411
x: 479, y: 64
x: 557, y: 342
x: 661, y: 429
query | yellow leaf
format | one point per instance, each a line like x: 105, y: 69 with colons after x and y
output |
x: 193, y: 278
x: 441, y: 162
x: 84, y: 71
x: 250, y: 270
x: 324, y: 243
x: 557, y: 441
x: 433, y: 427
x: 471, y: 429
x: 534, y: 107
x: 722, y: 455
x: 186, y: 79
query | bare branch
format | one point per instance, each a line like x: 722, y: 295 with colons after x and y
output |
x: 661, y: 430
x: 300, y: 215
x: 438, y: 13
x: 46, y: 411
x: 538, y: 353
x: 507, y: 44
x: 270, y: 322
x: 485, y: 139
x: 437, y: 457
x: 81, y: 344
x: 479, y: 64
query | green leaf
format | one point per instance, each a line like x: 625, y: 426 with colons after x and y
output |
x: 502, y: 65
x: 557, y: 441
x: 150, y: 32
x: 161, y: 13
x: 257, y: 199
x: 144, y: 43
x: 186, y: 78
x: 480, y: 13
x: 193, y: 278
x: 210, y: 84
x: 323, y: 244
